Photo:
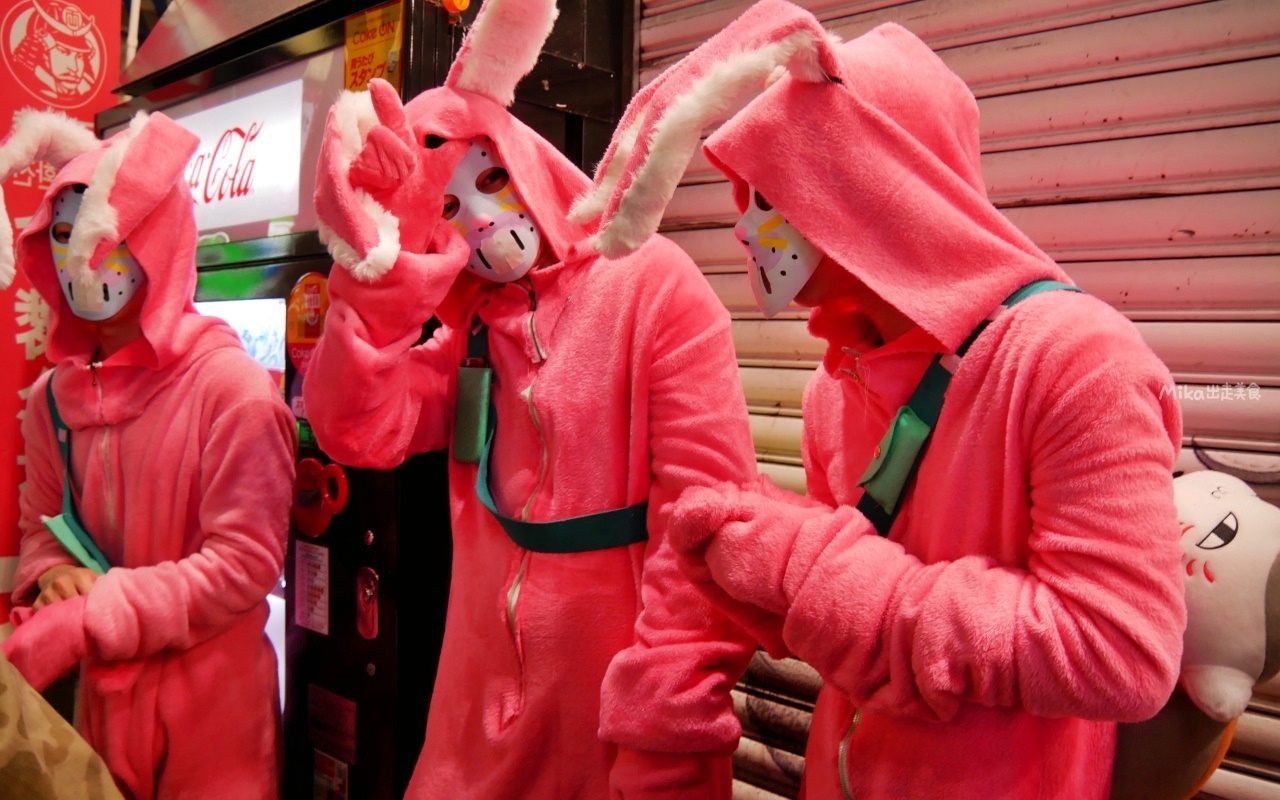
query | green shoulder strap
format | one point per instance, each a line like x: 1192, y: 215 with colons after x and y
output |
x: 899, y: 453
x: 600, y: 531
x: 67, y: 527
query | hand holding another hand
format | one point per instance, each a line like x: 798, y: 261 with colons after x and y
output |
x: 48, y: 644
x: 63, y: 582
x: 735, y: 544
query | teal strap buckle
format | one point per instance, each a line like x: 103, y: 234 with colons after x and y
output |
x: 899, y: 453
x: 603, y: 530
x: 67, y: 527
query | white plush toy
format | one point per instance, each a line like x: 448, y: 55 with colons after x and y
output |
x: 1231, y: 561
x: 1231, y: 540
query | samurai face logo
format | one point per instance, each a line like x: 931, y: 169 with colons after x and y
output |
x: 782, y: 260
x: 481, y: 203
x: 119, y: 275
x: 54, y: 51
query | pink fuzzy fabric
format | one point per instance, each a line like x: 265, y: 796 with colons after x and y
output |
x: 630, y: 393
x: 1029, y: 595
x: 182, y: 465
x: 501, y: 47
x: 47, y: 647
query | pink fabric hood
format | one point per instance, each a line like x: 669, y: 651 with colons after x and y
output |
x: 498, y: 51
x: 847, y: 144
x: 546, y: 180
x: 137, y: 194
x: 889, y: 169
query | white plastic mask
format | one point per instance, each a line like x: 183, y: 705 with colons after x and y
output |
x: 782, y: 261
x: 482, y: 204
x: 119, y: 275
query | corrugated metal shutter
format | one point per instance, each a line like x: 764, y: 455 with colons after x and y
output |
x: 1138, y: 142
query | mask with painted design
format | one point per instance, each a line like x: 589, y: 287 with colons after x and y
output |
x: 782, y: 260
x: 119, y: 275
x: 482, y: 204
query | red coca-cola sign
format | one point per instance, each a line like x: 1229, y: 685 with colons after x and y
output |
x: 225, y: 171
x: 246, y: 170
x: 55, y: 52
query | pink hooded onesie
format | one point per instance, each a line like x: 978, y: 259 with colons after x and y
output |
x: 1028, y: 595
x: 182, y: 470
x: 615, y: 383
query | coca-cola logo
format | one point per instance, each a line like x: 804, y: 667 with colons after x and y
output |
x: 225, y: 171
x: 54, y: 51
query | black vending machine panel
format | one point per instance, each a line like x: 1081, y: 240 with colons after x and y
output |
x: 366, y: 588
x: 366, y: 598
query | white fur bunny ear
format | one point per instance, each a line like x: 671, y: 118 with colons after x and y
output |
x: 502, y: 47
x: 663, y: 125
x: 36, y: 136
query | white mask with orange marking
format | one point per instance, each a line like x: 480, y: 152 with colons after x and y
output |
x: 119, y: 275
x: 482, y: 204
x: 782, y: 260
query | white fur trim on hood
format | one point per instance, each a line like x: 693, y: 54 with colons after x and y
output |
x: 36, y: 136
x: 97, y: 218
x: 356, y: 117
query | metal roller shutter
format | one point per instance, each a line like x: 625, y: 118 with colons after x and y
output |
x: 1138, y: 143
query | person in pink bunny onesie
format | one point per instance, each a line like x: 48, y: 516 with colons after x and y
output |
x: 577, y: 661
x: 1023, y: 594
x: 177, y: 469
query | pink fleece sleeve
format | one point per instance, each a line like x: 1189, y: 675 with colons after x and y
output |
x: 1092, y: 628
x: 372, y: 396
x: 668, y: 694
x: 41, y: 495
x: 246, y: 485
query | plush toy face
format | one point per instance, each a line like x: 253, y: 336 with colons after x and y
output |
x: 782, y: 261
x: 1230, y: 542
x: 481, y: 202
x: 119, y: 275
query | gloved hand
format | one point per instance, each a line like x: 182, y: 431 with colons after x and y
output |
x: 48, y: 644
x: 378, y: 189
x: 743, y: 540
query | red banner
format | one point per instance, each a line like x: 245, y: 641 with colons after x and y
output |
x: 62, y: 56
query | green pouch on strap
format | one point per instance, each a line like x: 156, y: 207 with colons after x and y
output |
x: 600, y: 531
x: 67, y: 527
x: 887, y: 475
x: 471, y: 421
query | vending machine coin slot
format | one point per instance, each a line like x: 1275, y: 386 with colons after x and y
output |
x: 367, y: 602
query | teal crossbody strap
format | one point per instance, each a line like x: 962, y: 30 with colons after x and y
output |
x: 899, y: 453
x: 600, y: 531
x: 67, y: 527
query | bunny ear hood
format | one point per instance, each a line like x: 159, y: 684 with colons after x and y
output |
x: 544, y: 179
x: 663, y: 124
x: 869, y: 148
x: 137, y: 194
x: 882, y: 173
x: 498, y: 51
